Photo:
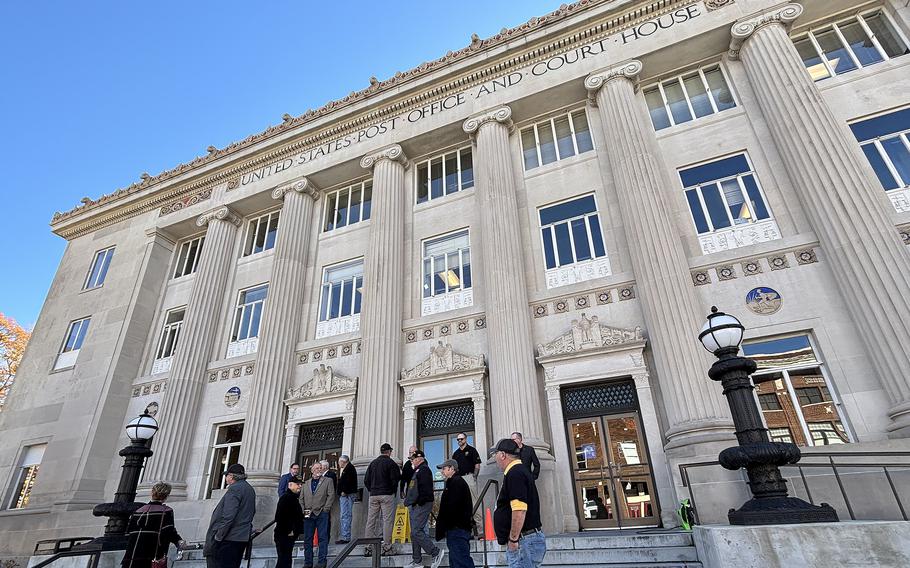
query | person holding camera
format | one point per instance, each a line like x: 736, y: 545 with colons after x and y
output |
x: 318, y: 496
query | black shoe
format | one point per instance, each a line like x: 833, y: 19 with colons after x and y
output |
x: 342, y: 541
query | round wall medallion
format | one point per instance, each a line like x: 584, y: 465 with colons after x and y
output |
x: 232, y: 397
x: 152, y: 408
x: 764, y: 301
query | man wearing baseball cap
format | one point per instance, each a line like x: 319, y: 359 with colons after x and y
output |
x: 419, y: 500
x: 454, y: 518
x: 517, y: 517
x: 381, y: 480
x: 232, y: 520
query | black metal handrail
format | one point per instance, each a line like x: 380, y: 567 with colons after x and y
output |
x: 248, y: 554
x: 94, y: 553
x: 373, y: 542
x: 486, y: 487
x: 829, y: 463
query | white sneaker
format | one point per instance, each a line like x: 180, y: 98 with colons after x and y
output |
x: 414, y: 565
x: 437, y: 560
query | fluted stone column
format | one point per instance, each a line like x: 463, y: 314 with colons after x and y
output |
x: 514, y: 390
x: 841, y: 197
x: 275, y: 359
x: 695, y: 408
x: 378, y: 398
x: 180, y: 405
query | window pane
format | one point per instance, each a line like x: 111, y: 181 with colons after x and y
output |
x: 272, y: 232
x: 723, y: 98
x: 466, y: 268
x: 567, y: 210
x: 860, y: 43
x: 356, y: 196
x: 367, y: 200
x: 659, y: 117
x: 701, y: 224
x: 677, y: 102
x: 423, y: 184
x: 427, y: 278
x: 83, y: 329
x: 529, y: 148
x: 715, y: 170
x: 778, y: 410
x: 596, y: 236
x: 451, y: 173
x: 881, y: 126
x: 547, y: 144
x: 736, y: 203
x: 71, y: 336
x: 439, y: 273
x: 330, y: 212
x: 818, y: 408
x: 758, y: 204
x: 777, y: 353
x: 454, y: 273
x: 835, y: 51
x: 255, y: 294
x: 259, y: 245
x: 548, y: 253
x: 580, y: 234
x: 358, y: 294
x: 244, y: 331
x: 886, y: 35
x: 256, y: 318
x: 899, y: 155
x: 323, y: 312
x: 878, y: 164
x: 715, y: 205
x: 698, y: 96
x: 335, y: 310
x: 564, y: 137
x: 181, y: 260
x: 582, y: 132
x: 467, y: 169
x: 436, y: 178
x: 563, y: 244
x: 811, y: 59
x: 347, y: 293
x: 341, y: 218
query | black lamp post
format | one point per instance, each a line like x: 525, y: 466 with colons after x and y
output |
x: 762, y: 458
x: 140, y: 430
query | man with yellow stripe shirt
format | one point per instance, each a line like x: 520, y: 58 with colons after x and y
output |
x: 517, y: 517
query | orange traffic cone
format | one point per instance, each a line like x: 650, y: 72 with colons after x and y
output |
x: 315, y: 538
x: 488, y: 532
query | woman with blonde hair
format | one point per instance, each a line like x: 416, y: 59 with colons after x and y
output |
x: 150, y: 531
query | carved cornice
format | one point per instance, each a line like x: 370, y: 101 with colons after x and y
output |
x: 392, y: 153
x: 185, y: 202
x: 588, y: 333
x: 501, y: 115
x: 596, y: 80
x: 222, y: 214
x: 325, y: 382
x: 300, y: 185
x: 444, y: 361
x: 742, y: 30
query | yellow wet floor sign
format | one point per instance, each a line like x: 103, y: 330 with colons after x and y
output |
x: 401, y: 529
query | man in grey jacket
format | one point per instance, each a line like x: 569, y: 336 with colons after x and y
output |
x: 232, y: 521
x: 318, y: 496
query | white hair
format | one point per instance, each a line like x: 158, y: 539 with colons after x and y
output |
x: 324, y: 463
x: 344, y: 457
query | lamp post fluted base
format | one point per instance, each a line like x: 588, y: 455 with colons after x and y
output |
x: 780, y: 511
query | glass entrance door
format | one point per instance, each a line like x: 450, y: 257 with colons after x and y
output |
x: 613, y: 484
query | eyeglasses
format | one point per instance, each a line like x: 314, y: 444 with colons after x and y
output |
x: 460, y: 439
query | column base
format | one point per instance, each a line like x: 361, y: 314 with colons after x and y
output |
x: 263, y: 480
x: 700, y: 432
x: 781, y: 511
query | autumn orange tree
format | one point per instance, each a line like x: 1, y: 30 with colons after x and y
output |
x: 13, y: 338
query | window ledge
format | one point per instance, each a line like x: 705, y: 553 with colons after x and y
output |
x: 338, y: 326
x: 344, y: 230
x: 705, y: 121
x: 578, y: 272
x: 558, y: 164
x: 84, y: 290
x: 862, y: 73
x: 739, y: 236
x: 255, y: 256
x: 446, y: 302
x: 445, y: 199
x: 24, y: 511
x: 900, y: 199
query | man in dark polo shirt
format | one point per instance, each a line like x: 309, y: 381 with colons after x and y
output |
x: 527, y: 455
x: 517, y: 517
x: 468, y: 459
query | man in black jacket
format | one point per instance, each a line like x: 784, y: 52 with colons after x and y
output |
x: 407, y: 472
x: 347, y: 489
x: 288, y: 522
x: 454, y: 519
x: 419, y: 500
x: 381, y: 480
x: 527, y: 455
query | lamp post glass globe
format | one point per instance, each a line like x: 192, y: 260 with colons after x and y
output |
x: 142, y: 428
x: 721, y: 331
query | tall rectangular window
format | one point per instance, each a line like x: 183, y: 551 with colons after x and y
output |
x: 247, y: 317
x: 845, y: 45
x: 167, y: 344
x: 446, y: 273
x: 225, y: 453
x: 340, y: 299
x: 98, y: 271
x: 75, y: 335
x: 347, y: 206
x: 794, y: 394
x: 885, y: 140
x: 573, y: 244
x: 558, y: 138
x: 689, y: 96
x: 261, y: 233
x: 727, y: 204
x: 25, y: 475
x: 444, y: 175
x: 188, y: 256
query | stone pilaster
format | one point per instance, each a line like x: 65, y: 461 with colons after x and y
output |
x: 275, y: 359
x: 378, y: 396
x: 843, y: 200
x: 695, y: 409
x: 180, y: 405
x: 514, y: 389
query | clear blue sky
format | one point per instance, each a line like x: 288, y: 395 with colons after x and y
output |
x: 94, y: 93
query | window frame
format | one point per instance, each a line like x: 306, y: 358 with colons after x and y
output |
x: 902, y: 135
x: 237, y: 321
x: 181, y: 271
x: 349, y: 188
x: 551, y: 120
x: 423, y: 242
x: 568, y: 222
x: 157, y: 365
x: 704, y: 81
x: 215, y: 446
x: 20, y: 474
x: 102, y: 273
x: 428, y: 162
x: 250, y: 235
x: 66, y: 357
x: 325, y: 272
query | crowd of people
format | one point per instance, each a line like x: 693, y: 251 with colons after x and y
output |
x: 304, y: 510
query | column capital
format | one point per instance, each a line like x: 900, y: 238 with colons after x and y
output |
x: 222, y: 213
x: 502, y: 115
x: 393, y: 153
x: 596, y: 80
x: 743, y: 29
x: 300, y: 185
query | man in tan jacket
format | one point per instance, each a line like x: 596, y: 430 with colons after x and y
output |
x: 318, y: 495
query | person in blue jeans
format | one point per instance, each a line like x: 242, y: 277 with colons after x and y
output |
x: 318, y: 496
x: 454, y: 521
x: 347, y: 489
x: 517, y: 517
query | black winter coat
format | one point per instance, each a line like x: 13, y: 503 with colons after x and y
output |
x: 150, y: 531
x: 454, y: 507
x: 347, y: 482
x: 382, y: 476
x: 289, y: 515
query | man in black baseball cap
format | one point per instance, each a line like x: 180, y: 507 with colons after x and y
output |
x: 517, y: 517
x: 381, y: 480
x: 232, y: 520
x: 419, y: 500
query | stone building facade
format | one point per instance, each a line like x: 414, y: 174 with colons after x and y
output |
x: 524, y: 235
